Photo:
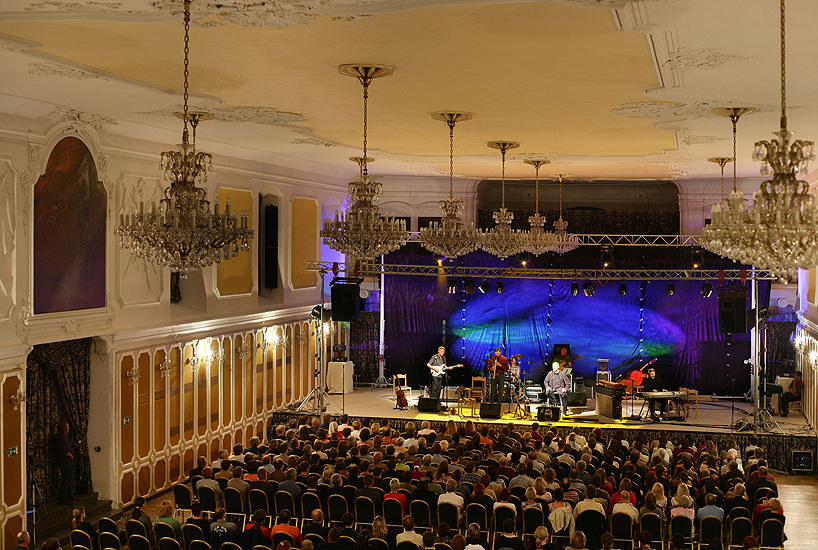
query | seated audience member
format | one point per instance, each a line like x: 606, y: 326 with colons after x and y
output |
x: 348, y: 526
x: 710, y: 508
x: 509, y: 538
x: 142, y: 517
x: 650, y: 507
x: 201, y: 462
x: 739, y: 499
x: 51, y: 544
x: 165, y: 515
x: 316, y: 526
x: 589, y: 503
x: 78, y: 522
x: 474, y: 538
x: 284, y: 527
x: 208, y: 481
x: 577, y: 541
x: 677, y: 542
x: 624, y: 506
x: 452, y: 497
x: 772, y: 509
x: 393, y: 493
x: 428, y: 541
x: 749, y: 543
x: 197, y: 518
x: 221, y: 530
x: 458, y: 542
x: 409, y: 533
x: 334, y: 540
x: 541, y: 537
x: 607, y: 540
x: 256, y: 532
x: 645, y: 539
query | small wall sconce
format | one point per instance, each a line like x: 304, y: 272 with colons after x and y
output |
x: 132, y: 375
x: 18, y: 398
x: 165, y: 368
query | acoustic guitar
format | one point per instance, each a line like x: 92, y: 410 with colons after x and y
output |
x: 400, y: 399
x: 637, y: 376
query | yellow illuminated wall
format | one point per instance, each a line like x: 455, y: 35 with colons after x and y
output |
x: 235, y: 276
x: 303, y: 242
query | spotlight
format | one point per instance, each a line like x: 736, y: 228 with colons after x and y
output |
x: 588, y: 289
x: 696, y: 259
x: 670, y: 289
x: 707, y: 290
x: 468, y: 286
x: 499, y: 287
x: 574, y: 289
x: 316, y: 312
x: 524, y: 263
x: 606, y: 258
x: 452, y: 286
x: 440, y: 261
x: 623, y: 289
x: 484, y: 287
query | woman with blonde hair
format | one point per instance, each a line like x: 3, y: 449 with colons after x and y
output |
x: 78, y: 522
x: 165, y: 515
x: 540, y: 537
x: 451, y: 427
x: 379, y: 529
x: 326, y: 475
x: 658, y: 491
x: 681, y: 491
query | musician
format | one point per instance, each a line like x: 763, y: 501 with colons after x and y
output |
x: 498, y: 366
x: 555, y: 386
x: 654, y: 383
x: 437, y: 361
x: 563, y: 358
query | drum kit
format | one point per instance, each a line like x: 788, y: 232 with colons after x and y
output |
x: 515, y: 384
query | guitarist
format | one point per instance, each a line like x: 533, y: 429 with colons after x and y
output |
x: 498, y: 366
x: 436, y: 365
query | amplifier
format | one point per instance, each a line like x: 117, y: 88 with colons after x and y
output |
x: 429, y: 405
x: 602, y: 364
x: 548, y: 413
x: 577, y: 398
x: 802, y: 461
x: 490, y: 410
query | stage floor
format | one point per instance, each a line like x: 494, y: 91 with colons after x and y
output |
x: 712, y: 415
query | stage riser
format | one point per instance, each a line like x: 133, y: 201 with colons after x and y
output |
x: 778, y: 447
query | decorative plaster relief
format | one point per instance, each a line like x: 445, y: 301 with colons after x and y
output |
x: 249, y: 13
x: 27, y: 181
x: 57, y: 5
x: 260, y: 115
x: 708, y: 58
x: 665, y: 110
x: 701, y: 140
x: 23, y: 318
x: 63, y: 71
x: 8, y: 227
x: 69, y: 327
x: 312, y: 141
x: 78, y: 119
x: 140, y: 282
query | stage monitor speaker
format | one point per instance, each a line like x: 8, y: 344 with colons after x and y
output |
x: 429, y: 405
x: 490, y: 410
x: 802, y: 461
x: 345, y: 298
x: 546, y: 413
x: 732, y: 313
x: 577, y: 399
x: 602, y: 364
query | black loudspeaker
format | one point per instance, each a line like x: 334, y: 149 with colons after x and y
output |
x: 732, y: 313
x: 345, y: 297
x: 269, y: 268
x: 490, y: 410
x: 802, y: 461
x: 428, y: 405
x: 577, y: 399
x: 545, y: 412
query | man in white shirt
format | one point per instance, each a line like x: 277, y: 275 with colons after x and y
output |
x: 409, y: 532
x: 624, y: 505
x: 451, y: 497
x: 217, y: 464
x: 589, y: 503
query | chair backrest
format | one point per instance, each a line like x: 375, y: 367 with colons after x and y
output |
x: 181, y: 495
x: 233, y: 501
x: 478, y: 383
x: 229, y: 546
x: 162, y: 530
x: 167, y: 543
x: 107, y: 525
x: 316, y: 539
x: 191, y: 532
x: 519, y: 492
x: 207, y: 498
x: 533, y: 517
x: 399, y: 381
x: 652, y: 523
x: 442, y: 546
x: 421, y: 513
x: 281, y: 536
x: 258, y: 501
x: 364, y: 510
x: 80, y: 538
x: 772, y: 533
x: 337, y: 505
x: 501, y: 514
x: 739, y: 511
x: 138, y: 542
x: 309, y: 502
x: 393, y: 512
x: 194, y: 485
x: 476, y: 513
x: 446, y: 511
x: 135, y: 527
x: 261, y: 547
x: 592, y: 524
x: 378, y: 544
x: 621, y: 526
x: 740, y: 527
x: 710, y: 528
x: 406, y: 545
x: 199, y: 545
x: 681, y: 525
x: 349, y: 542
x: 284, y: 501
x: 109, y: 541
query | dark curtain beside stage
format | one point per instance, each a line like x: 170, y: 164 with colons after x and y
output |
x: 58, y: 382
x: 681, y: 331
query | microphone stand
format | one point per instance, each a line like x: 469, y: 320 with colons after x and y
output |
x: 732, y: 404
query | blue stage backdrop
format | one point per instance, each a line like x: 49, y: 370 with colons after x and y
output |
x: 680, y: 331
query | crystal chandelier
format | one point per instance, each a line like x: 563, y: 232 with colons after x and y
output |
x: 361, y: 231
x: 182, y: 233
x: 503, y: 241
x: 727, y: 231
x: 451, y: 237
x: 563, y: 240
x: 538, y: 239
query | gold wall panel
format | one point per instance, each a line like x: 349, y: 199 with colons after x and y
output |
x: 159, y: 402
x: 235, y: 276
x: 12, y: 466
x: 304, y: 245
x: 126, y: 408
x: 174, y: 419
x: 144, y: 405
x: 14, y: 524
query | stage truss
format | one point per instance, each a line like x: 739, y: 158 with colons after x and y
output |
x: 374, y: 269
x: 624, y: 240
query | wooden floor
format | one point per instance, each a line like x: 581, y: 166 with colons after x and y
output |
x: 716, y: 416
x: 799, y: 498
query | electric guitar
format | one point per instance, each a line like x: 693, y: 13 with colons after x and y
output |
x: 440, y: 370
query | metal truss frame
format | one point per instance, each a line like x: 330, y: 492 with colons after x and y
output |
x: 625, y: 240
x: 373, y: 269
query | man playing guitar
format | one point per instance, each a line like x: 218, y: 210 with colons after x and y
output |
x: 498, y: 366
x: 437, y: 367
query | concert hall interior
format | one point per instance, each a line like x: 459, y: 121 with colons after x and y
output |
x: 218, y: 218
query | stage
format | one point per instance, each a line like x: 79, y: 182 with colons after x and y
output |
x: 713, y: 420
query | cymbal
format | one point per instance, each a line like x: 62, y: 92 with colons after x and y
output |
x: 518, y: 356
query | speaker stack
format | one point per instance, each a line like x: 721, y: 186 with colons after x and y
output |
x: 733, y: 309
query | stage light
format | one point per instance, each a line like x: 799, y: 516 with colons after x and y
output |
x: 574, y: 289
x: 484, y: 286
x: 670, y: 289
x: 606, y: 258
x: 707, y: 290
x: 440, y: 261
x: 499, y: 287
x: 452, y: 286
x: 623, y: 289
x: 696, y: 259
x: 525, y: 263
x: 316, y: 312
x: 468, y: 286
x: 588, y: 289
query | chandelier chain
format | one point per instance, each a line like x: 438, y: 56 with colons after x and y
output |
x: 186, y: 71
x: 537, y: 189
x: 721, y: 164
x: 451, y: 124
x: 783, y: 67
x: 365, y: 83
x: 503, y: 191
x: 734, y: 120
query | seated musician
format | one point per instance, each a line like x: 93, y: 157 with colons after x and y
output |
x: 498, y: 366
x: 555, y: 386
x: 650, y: 384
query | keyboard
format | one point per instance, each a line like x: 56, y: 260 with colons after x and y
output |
x: 664, y: 394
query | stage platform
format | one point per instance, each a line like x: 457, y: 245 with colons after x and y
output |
x: 715, y: 419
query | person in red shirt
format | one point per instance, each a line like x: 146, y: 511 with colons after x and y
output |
x: 285, y: 527
x: 393, y: 493
x: 257, y: 524
x: 792, y: 394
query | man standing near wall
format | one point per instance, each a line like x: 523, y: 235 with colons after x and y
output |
x: 64, y: 457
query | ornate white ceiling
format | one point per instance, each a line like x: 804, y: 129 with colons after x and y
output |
x: 606, y: 88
